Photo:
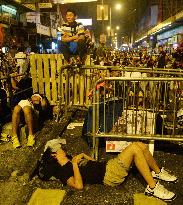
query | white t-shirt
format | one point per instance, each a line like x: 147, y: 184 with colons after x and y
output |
x: 21, y: 61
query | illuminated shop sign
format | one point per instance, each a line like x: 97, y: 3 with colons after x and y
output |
x: 45, y: 5
x: 9, y: 10
x: 71, y: 1
x: 170, y: 33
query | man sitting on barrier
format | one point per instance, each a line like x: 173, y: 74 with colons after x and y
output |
x: 73, y: 40
x: 83, y: 169
x: 31, y: 108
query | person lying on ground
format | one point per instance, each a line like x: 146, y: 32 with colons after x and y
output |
x: 82, y: 169
x: 31, y: 109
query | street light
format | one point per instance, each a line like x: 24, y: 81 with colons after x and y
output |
x: 108, y: 28
x: 118, y: 7
x: 102, y: 7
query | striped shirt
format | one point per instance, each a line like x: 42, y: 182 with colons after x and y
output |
x: 72, y: 30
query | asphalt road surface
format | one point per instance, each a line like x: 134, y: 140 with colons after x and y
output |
x: 16, y: 167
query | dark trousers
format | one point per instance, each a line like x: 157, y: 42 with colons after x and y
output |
x: 113, y: 110
x: 73, y: 48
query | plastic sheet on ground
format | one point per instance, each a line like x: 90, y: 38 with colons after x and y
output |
x: 47, y: 197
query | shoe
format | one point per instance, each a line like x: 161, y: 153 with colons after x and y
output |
x: 31, y: 140
x: 5, y: 137
x: 160, y: 192
x: 15, y: 142
x: 164, y: 175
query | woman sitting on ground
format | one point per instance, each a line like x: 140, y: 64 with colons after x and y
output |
x: 83, y: 169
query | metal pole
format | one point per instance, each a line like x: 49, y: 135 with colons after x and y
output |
x: 110, y: 24
x: 103, y: 16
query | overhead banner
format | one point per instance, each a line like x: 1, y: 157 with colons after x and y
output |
x: 71, y: 1
x: 43, y: 30
x: 45, y: 5
x: 33, y: 17
x: 77, y: 1
x: 30, y: 6
x: 29, y: 1
x: 102, y: 12
x: 110, y: 32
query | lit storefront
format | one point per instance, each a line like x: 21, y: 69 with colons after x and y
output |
x: 171, y: 38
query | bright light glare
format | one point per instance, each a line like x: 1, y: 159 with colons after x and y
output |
x: 101, y: 7
x: 108, y: 27
x: 117, y: 27
x: 85, y: 22
x: 118, y: 6
x: 53, y: 45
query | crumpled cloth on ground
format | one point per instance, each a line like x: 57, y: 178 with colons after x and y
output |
x: 55, y: 144
x: 47, y: 197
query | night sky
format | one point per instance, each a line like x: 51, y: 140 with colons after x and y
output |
x: 126, y: 18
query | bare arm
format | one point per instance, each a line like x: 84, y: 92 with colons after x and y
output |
x: 76, y: 181
x: 75, y: 38
x: 14, y: 81
x: 67, y: 38
x: 44, y: 104
x: 88, y: 157
x: 14, y: 84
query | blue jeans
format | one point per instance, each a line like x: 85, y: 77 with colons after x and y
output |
x: 73, y: 48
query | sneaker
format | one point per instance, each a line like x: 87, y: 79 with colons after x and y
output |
x: 15, y: 142
x: 5, y: 137
x: 164, y: 175
x: 160, y: 192
x: 31, y: 140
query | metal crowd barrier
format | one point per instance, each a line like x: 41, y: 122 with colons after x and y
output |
x: 75, y: 83
x: 137, y: 108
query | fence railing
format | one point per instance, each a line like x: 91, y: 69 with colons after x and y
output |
x: 137, y: 108
x: 76, y: 83
x: 45, y: 69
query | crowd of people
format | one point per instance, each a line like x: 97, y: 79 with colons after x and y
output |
x: 139, y: 58
x: 28, y: 107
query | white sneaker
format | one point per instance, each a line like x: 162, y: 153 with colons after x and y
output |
x: 160, y: 192
x: 164, y: 175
